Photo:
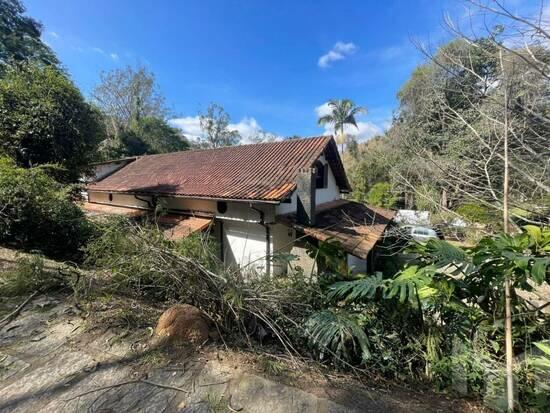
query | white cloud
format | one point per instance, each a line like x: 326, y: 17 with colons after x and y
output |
x: 340, y: 51
x: 54, y: 35
x: 98, y: 50
x: 363, y: 132
x: 248, y: 127
x: 189, y: 125
x: 323, y: 110
x: 113, y: 56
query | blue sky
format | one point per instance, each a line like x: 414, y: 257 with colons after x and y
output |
x: 269, y: 63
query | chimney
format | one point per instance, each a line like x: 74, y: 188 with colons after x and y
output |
x: 305, y: 189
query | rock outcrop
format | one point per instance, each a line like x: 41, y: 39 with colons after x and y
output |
x: 182, y: 324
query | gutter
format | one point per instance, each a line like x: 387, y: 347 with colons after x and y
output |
x: 267, y: 240
x: 168, y: 195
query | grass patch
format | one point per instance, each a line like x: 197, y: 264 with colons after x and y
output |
x: 31, y: 274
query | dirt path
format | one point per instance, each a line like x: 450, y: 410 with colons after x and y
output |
x: 51, y: 361
x: 56, y: 358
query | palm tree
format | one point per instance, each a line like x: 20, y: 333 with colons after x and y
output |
x: 343, y: 113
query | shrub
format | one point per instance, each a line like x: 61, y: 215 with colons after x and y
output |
x: 44, y: 119
x: 142, y: 263
x: 36, y: 212
x: 381, y: 195
x: 476, y: 213
x: 30, y: 274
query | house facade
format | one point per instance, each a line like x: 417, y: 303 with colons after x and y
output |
x: 258, y: 201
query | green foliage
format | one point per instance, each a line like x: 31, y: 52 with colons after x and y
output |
x: 45, y: 120
x: 37, y: 213
x: 442, y: 313
x: 342, y: 113
x: 356, y: 290
x: 339, y: 333
x: 215, y: 127
x: 382, y: 195
x: 126, y: 95
x: 477, y: 213
x: 535, y: 378
x: 142, y: 137
x: 445, y: 148
x: 20, y: 37
x: 159, y: 136
x: 272, y: 368
x: 30, y: 274
x: 524, y: 258
x: 142, y: 263
x: 329, y: 256
x: 369, y: 164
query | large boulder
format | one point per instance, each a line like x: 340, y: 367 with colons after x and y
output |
x: 182, y: 324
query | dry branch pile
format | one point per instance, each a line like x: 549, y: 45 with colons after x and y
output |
x: 140, y: 262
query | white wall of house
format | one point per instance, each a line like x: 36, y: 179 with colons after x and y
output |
x: 244, y: 245
x: 240, y: 211
x: 282, y: 240
x: 243, y: 237
x: 117, y: 199
x: 331, y: 192
x: 322, y: 195
x: 288, y: 208
x: 303, y: 260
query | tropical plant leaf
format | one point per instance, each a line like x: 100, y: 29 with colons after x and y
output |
x: 539, y: 269
x: 408, y: 281
x: 357, y: 289
x: 534, y: 232
x: 337, y: 331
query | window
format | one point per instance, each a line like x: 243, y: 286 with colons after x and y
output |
x: 110, y: 197
x: 321, y: 174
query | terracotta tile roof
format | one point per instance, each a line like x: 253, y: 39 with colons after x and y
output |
x: 356, y: 226
x: 265, y: 171
x: 101, y: 209
x: 180, y: 226
x: 174, y: 226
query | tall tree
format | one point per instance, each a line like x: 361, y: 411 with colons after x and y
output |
x: 144, y: 137
x: 135, y: 115
x: 474, y: 122
x: 127, y: 95
x: 343, y: 112
x: 160, y: 136
x: 215, y: 127
x: 20, y: 37
x: 44, y: 119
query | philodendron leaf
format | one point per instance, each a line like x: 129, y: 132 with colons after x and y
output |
x: 538, y: 272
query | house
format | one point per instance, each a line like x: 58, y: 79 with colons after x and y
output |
x: 257, y: 200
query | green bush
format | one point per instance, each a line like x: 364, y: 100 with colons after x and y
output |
x: 477, y: 213
x: 37, y: 213
x: 381, y: 195
x: 44, y: 119
x: 30, y: 274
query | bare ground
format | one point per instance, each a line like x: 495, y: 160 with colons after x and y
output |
x: 55, y: 356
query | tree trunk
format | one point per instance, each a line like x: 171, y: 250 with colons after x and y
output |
x: 444, y: 200
x: 507, y: 282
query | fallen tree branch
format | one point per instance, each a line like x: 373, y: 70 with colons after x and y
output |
x: 164, y: 386
x: 124, y: 383
x: 15, y: 312
x: 112, y: 386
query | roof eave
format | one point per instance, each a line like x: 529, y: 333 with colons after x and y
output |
x: 243, y: 200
